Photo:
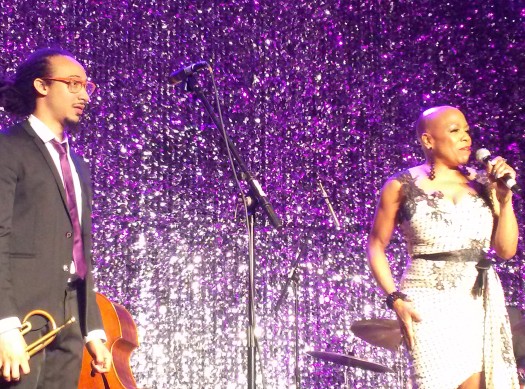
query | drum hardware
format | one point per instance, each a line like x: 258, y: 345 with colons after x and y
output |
x: 293, y: 279
x: 349, y: 361
x: 384, y: 333
x: 379, y: 332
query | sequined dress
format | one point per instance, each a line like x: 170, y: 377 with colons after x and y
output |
x: 460, y: 334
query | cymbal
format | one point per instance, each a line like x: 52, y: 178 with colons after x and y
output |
x: 379, y: 332
x: 348, y: 360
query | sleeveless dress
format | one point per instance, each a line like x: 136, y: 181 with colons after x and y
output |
x: 460, y: 333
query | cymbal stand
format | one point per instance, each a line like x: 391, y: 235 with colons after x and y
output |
x: 346, y: 379
x: 346, y: 374
x: 295, y: 287
x: 398, y: 366
x: 400, y: 372
x: 293, y: 278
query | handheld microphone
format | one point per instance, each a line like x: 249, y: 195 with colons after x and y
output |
x: 181, y: 75
x: 324, y: 195
x: 483, y: 156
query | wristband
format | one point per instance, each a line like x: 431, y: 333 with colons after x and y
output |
x: 392, y: 297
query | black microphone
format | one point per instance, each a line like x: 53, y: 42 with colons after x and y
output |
x: 324, y: 195
x: 181, y: 75
x: 483, y: 156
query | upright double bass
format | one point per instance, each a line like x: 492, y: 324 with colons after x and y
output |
x: 122, y: 340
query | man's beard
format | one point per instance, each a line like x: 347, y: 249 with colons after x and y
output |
x: 72, y: 126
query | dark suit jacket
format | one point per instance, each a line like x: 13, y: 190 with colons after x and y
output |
x: 36, y: 241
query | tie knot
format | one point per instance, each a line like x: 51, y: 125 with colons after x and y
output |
x: 60, y: 147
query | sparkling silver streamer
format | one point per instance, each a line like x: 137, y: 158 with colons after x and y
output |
x: 311, y: 90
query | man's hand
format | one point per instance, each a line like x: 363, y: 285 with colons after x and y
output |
x: 14, y: 359
x: 102, y: 359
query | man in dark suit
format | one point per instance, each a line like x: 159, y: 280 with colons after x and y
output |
x: 45, y: 226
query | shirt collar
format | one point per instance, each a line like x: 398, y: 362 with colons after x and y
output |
x: 42, y: 130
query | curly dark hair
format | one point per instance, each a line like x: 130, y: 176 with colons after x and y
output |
x: 19, y: 96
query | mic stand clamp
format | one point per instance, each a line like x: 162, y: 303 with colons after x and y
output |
x: 190, y: 85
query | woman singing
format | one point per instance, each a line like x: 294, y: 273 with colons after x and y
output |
x: 450, y: 303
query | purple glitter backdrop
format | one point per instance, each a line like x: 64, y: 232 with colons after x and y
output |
x: 311, y: 90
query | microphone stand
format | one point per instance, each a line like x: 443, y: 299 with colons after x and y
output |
x: 293, y: 278
x: 255, y: 197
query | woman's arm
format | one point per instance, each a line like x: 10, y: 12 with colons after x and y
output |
x: 380, y: 234
x: 505, y: 235
x: 382, y: 229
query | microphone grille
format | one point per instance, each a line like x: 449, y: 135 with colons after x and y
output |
x: 481, y: 154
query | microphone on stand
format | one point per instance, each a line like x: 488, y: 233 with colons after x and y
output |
x: 483, y: 156
x: 291, y: 274
x: 324, y: 195
x: 181, y: 75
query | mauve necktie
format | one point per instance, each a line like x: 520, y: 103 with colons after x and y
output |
x: 78, y: 246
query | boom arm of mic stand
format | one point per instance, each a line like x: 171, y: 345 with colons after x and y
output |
x: 291, y: 277
x: 284, y: 291
x: 254, y: 185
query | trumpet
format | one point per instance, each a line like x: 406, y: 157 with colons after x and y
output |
x: 42, y: 342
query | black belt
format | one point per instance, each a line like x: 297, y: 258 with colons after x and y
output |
x: 467, y: 255
x: 74, y: 283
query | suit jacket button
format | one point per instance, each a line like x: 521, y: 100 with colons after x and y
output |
x: 69, y: 234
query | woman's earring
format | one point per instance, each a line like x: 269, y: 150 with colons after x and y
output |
x: 432, y: 171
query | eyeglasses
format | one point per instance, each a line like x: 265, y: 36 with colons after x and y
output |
x: 74, y: 85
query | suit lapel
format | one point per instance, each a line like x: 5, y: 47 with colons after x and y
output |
x: 43, y: 149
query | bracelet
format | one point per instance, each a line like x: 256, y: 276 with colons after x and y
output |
x: 393, y: 297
